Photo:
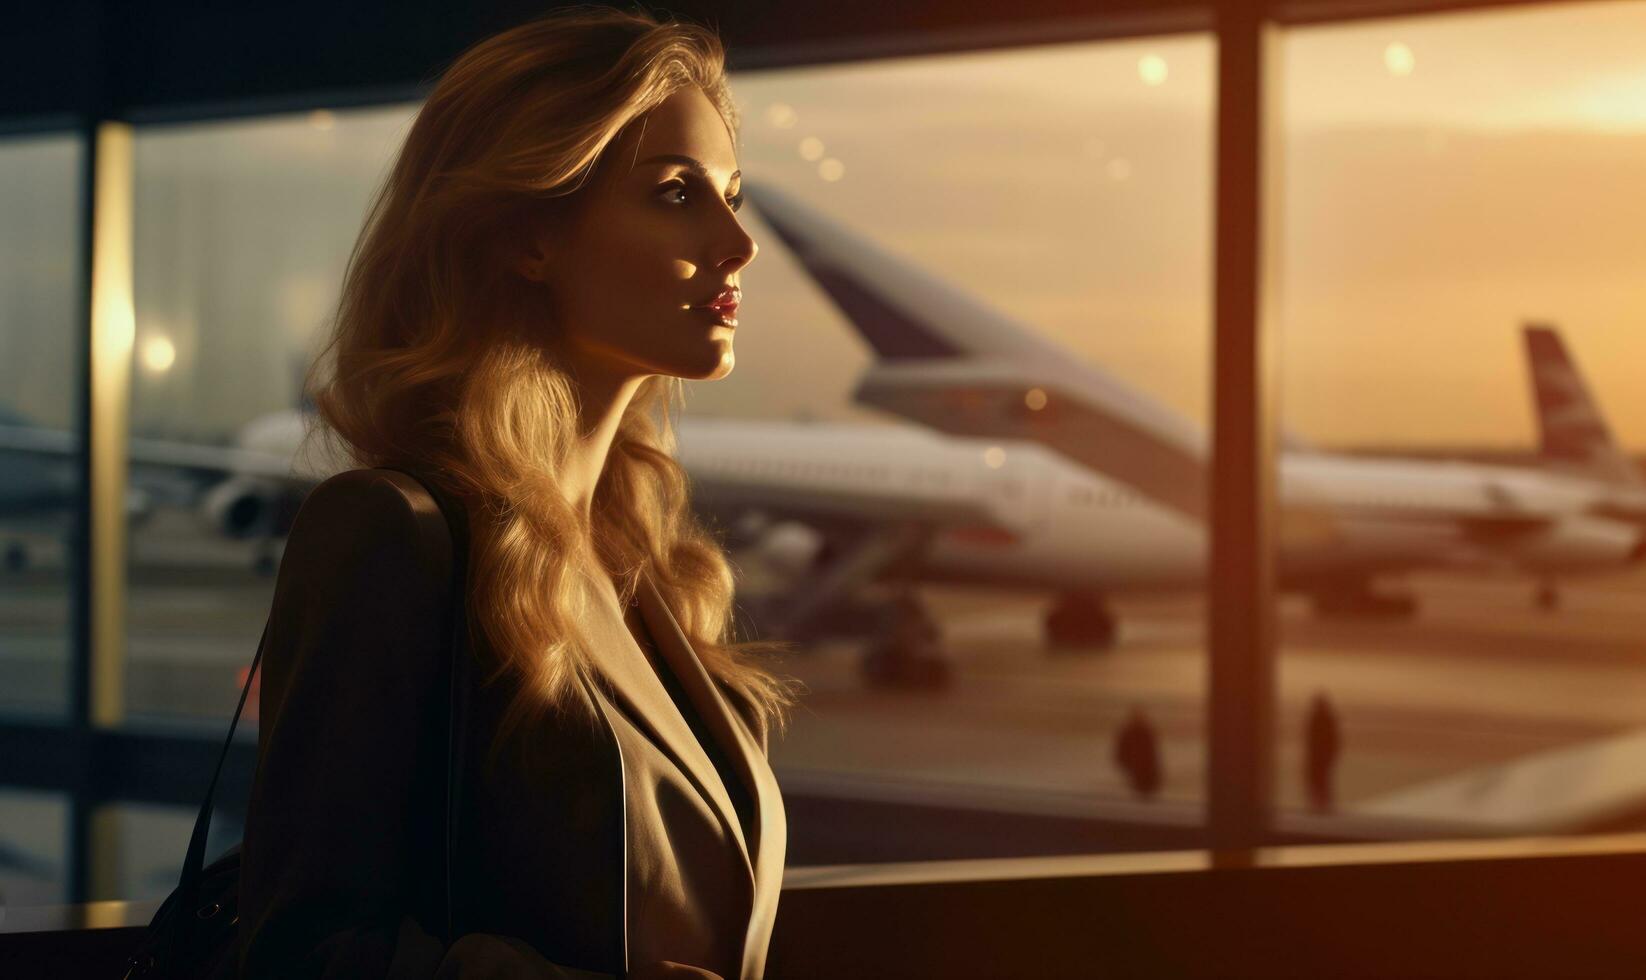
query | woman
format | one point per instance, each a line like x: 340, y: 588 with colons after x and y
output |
x: 536, y: 277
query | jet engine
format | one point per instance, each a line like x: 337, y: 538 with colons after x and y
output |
x: 789, y: 548
x: 241, y: 507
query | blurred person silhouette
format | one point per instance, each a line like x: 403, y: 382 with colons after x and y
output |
x: 1323, y: 739
x: 1137, y: 753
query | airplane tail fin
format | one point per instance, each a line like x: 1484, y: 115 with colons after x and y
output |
x: 899, y: 309
x: 1572, y: 432
x: 947, y: 361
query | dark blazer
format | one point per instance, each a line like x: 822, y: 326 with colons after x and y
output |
x: 622, y: 848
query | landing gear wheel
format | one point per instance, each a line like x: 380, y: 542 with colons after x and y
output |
x: 905, y: 669
x: 908, y: 657
x: 1080, y: 623
x: 1365, y: 604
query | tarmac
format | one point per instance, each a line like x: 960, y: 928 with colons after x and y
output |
x: 1435, y: 713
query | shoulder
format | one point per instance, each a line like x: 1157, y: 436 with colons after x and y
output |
x: 365, y: 487
x: 372, y: 516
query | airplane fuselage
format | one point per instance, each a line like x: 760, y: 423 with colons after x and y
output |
x: 1052, y: 524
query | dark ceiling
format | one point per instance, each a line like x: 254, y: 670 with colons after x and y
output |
x: 74, y: 60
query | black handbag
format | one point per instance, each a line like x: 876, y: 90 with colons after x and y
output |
x: 194, y: 933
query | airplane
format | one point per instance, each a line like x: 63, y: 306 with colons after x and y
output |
x: 949, y: 362
x: 904, y: 504
x: 1006, y: 496
x: 249, y: 488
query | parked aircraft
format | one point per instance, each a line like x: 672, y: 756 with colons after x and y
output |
x: 949, y: 362
x: 247, y: 489
x: 1043, y: 475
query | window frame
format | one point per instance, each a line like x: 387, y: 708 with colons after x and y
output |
x: 95, y: 762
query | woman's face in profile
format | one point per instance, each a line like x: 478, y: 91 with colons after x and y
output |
x: 652, y: 239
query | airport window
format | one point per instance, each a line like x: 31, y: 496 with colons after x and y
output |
x: 1458, y: 212
x: 1086, y: 171
x: 39, y: 243
x: 1084, y: 174
x: 33, y: 848
x: 224, y: 322
x: 1461, y: 212
x: 140, y: 842
x: 41, y: 214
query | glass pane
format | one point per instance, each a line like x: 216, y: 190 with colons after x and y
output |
x: 39, y: 283
x: 975, y: 272
x: 141, y: 848
x: 1461, y: 312
x: 242, y: 233
x: 33, y: 848
x: 1050, y: 207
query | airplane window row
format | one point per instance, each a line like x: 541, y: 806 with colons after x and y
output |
x: 1086, y: 496
x: 782, y: 467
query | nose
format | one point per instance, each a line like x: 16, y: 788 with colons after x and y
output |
x: 739, y: 251
x: 739, y: 257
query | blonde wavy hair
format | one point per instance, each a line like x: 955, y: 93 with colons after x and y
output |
x: 441, y: 363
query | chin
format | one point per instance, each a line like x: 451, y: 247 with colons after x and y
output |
x: 718, y: 368
x: 709, y: 363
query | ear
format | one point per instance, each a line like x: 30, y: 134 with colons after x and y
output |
x: 534, y: 240
x: 534, y: 260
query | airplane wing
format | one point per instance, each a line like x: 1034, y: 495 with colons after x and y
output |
x: 1096, y: 428
x: 204, y: 460
x: 1101, y: 428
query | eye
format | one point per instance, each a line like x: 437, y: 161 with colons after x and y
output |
x: 735, y: 201
x: 674, y: 187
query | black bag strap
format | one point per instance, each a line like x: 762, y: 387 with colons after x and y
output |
x: 457, y: 727
x: 188, y: 888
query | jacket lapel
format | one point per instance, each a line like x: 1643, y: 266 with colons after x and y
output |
x: 637, y: 686
x: 770, y: 823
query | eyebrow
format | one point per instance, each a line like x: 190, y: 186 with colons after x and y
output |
x: 690, y: 163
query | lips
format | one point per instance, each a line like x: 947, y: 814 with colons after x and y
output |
x: 724, y: 301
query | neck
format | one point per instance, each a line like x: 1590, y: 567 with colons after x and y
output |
x: 602, y: 400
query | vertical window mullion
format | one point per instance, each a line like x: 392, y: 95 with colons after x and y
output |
x: 97, y: 680
x: 1241, y: 634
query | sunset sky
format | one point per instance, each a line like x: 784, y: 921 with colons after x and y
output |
x: 1444, y: 179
